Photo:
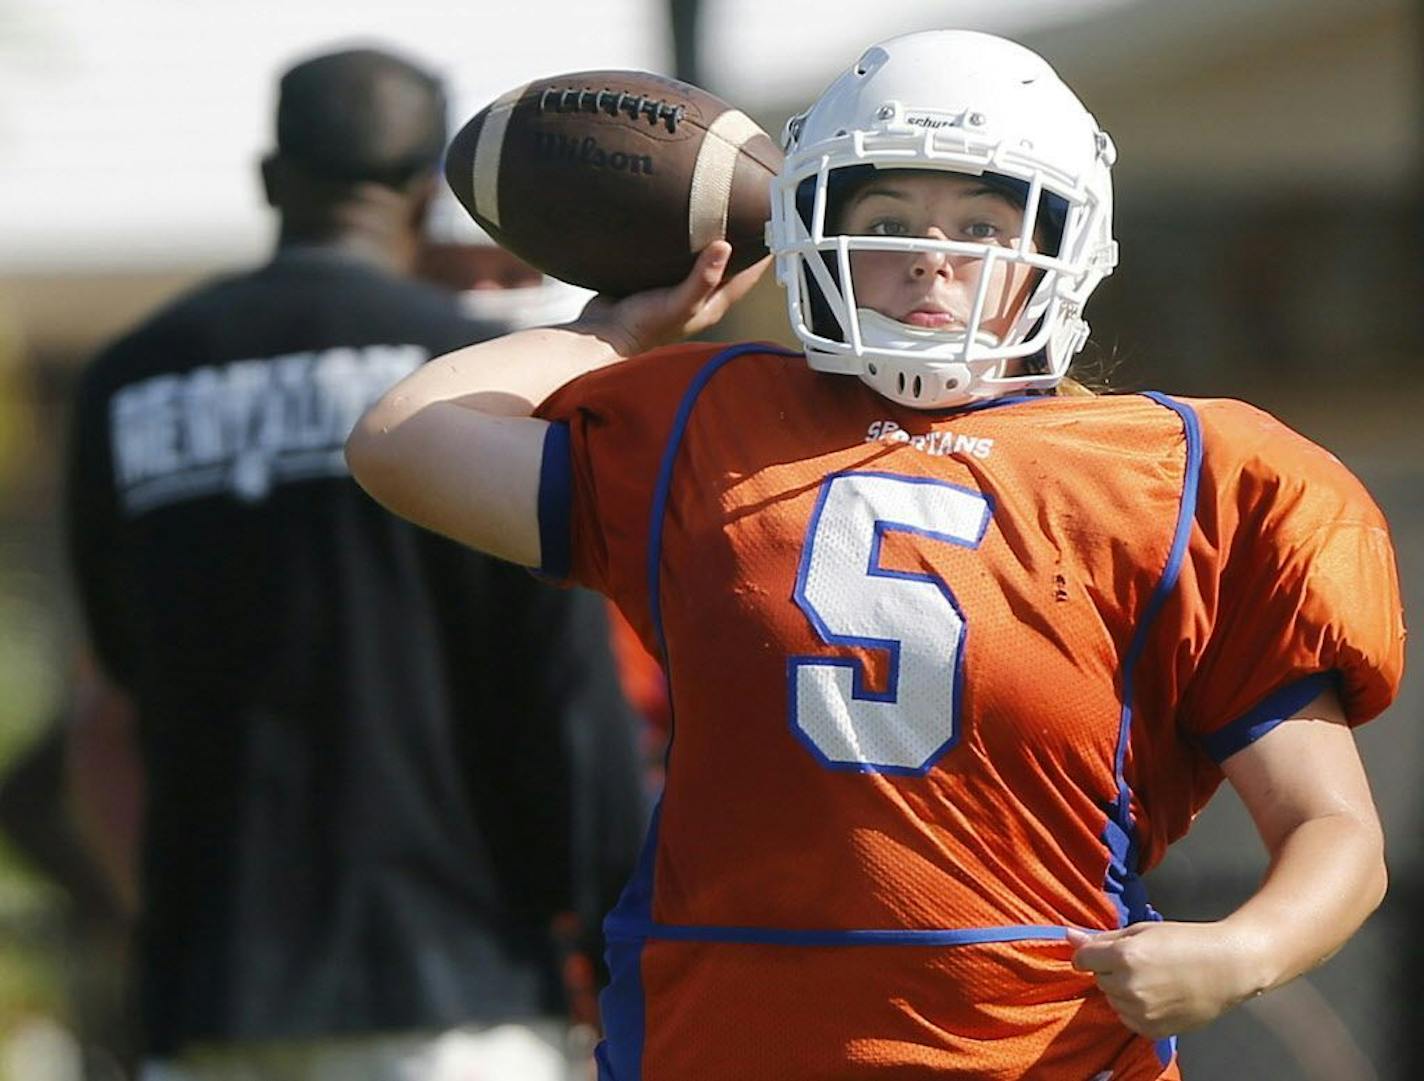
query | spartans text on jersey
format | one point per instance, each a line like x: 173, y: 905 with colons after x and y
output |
x: 937, y: 444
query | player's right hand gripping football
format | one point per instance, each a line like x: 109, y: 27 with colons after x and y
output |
x: 646, y: 320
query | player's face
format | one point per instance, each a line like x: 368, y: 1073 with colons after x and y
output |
x: 936, y: 290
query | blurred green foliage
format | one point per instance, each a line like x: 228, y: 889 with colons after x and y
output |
x: 32, y: 978
x: 31, y: 920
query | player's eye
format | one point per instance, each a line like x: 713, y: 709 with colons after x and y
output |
x: 982, y: 231
x: 887, y: 227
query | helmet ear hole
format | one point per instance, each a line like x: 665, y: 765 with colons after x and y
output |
x: 900, y: 382
x: 918, y: 386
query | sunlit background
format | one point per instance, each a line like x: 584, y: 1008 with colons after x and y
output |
x: 1272, y: 233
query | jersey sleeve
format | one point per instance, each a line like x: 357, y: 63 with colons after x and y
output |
x: 609, y: 431
x: 1297, y: 580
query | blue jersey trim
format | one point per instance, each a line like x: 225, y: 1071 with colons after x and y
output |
x: 873, y: 569
x: 1276, y: 707
x: 603, y: 1062
x: 1010, y: 399
x: 987, y: 403
x: 623, y: 1005
x: 635, y: 931
x: 1166, y: 1050
x: 555, y: 502
x: 1119, y: 835
x: 664, y: 486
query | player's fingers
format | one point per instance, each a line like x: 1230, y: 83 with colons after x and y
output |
x: 1095, y: 956
x: 724, y: 296
x: 1104, y: 939
x: 706, y: 275
x: 732, y: 290
x: 1113, y: 983
x: 598, y: 308
x: 1129, y: 1011
x: 741, y: 283
x: 667, y: 313
x: 680, y: 302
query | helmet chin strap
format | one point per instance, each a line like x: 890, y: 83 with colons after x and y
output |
x: 923, y: 368
x: 932, y: 371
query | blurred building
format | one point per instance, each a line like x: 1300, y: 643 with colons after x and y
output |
x: 1269, y: 159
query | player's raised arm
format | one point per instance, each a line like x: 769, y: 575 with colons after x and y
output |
x: 454, y: 447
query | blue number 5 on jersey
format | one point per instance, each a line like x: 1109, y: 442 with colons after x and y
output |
x: 852, y: 601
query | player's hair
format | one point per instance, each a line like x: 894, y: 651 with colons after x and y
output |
x: 361, y: 115
x: 1093, y: 373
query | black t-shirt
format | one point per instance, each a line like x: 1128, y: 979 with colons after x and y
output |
x: 367, y: 751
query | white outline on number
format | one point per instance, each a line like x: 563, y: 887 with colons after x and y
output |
x: 851, y: 601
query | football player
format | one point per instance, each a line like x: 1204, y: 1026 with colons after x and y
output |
x: 954, y: 655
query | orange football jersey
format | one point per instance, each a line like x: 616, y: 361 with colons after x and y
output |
x: 943, y: 684
x: 639, y: 672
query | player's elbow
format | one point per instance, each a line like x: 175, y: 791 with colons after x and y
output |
x: 1362, y: 836
x: 373, y: 458
x: 362, y: 449
x: 1377, y: 868
x: 1367, y: 833
x: 1380, y: 881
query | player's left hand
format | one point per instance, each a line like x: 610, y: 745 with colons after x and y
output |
x: 1164, y: 978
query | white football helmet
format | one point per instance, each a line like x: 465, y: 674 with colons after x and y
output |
x: 967, y: 103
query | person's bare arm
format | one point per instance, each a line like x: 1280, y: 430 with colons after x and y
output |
x: 104, y: 783
x: 453, y: 447
x: 1305, y: 788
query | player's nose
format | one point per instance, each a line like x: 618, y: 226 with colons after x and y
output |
x: 926, y: 263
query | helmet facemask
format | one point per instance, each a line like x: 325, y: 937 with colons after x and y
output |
x: 1068, y: 214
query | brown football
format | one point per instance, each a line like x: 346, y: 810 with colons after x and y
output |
x: 615, y: 180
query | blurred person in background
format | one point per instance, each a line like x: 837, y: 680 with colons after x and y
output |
x: 496, y: 286
x: 378, y: 768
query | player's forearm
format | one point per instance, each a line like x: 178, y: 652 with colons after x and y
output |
x: 1326, y: 876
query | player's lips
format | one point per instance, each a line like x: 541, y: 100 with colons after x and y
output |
x: 932, y: 318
